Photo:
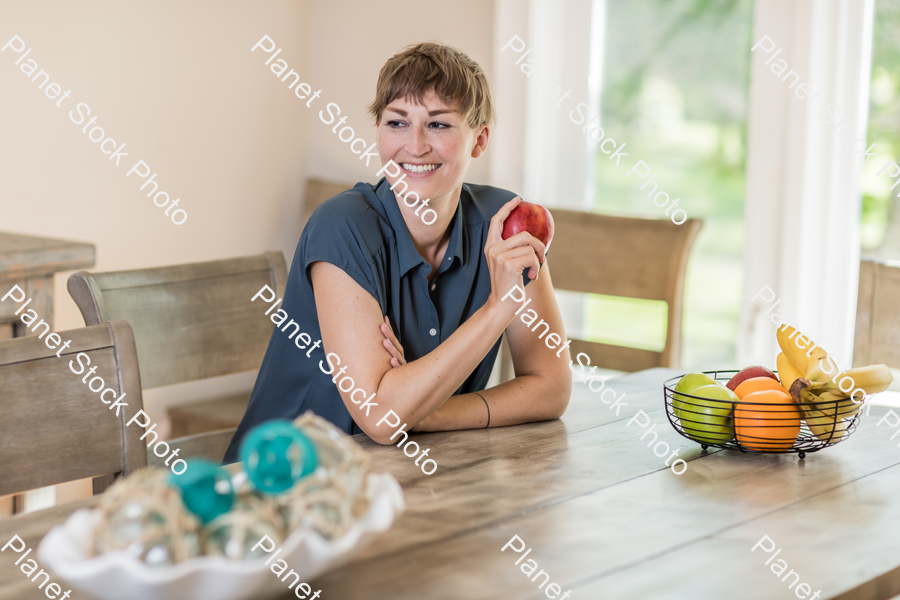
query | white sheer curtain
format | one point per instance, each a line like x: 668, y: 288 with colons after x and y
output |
x: 802, y: 209
x: 538, y: 150
x: 542, y: 152
x: 558, y: 156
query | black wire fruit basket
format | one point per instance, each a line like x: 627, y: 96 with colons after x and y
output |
x: 759, y: 427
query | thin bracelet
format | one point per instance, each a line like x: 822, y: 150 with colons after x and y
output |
x: 488, y: 408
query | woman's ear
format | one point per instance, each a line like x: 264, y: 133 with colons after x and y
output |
x: 481, y: 141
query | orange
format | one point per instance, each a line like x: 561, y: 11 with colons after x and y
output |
x: 757, y: 384
x: 767, y: 420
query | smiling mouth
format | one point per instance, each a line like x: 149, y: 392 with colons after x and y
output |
x: 423, y: 168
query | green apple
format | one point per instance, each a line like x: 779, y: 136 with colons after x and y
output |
x: 708, y: 420
x: 687, y: 385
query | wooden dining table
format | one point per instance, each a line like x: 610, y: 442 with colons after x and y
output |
x: 31, y: 262
x: 605, y: 518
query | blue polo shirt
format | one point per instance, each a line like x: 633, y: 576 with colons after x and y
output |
x: 362, y: 232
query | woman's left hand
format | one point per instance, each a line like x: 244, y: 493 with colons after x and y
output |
x: 391, y: 344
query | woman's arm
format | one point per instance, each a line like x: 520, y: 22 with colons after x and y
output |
x: 350, y: 320
x: 543, y: 381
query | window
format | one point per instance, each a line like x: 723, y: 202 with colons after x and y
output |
x: 880, y: 233
x: 675, y: 82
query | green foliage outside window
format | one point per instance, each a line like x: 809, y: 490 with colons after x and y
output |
x: 880, y: 206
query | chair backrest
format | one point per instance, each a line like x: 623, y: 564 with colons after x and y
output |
x: 54, y: 428
x: 622, y: 256
x: 318, y: 191
x: 877, y: 339
x: 190, y: 321
x: 210, y: 445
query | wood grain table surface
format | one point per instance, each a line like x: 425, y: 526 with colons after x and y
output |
x: 606, y: 518
x: 23, y: 256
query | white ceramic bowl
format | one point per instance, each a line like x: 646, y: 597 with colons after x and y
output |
x: 65, y: 549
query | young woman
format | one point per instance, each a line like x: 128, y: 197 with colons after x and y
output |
x: 410, y: 314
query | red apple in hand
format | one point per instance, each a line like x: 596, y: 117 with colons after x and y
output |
x: 533, y: 218
x: 749, y: 373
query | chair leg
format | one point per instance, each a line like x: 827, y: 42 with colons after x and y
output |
x: 103, y: 482
x: 507, y: 370
x: 7, y: 506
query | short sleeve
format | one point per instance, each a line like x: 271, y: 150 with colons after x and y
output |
x: 345, y: 232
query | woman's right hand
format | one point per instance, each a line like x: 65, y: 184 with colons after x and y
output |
x: 508, y: 258
x: 392, y: 344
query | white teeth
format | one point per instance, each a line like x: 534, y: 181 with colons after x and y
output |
x: 418, y: 168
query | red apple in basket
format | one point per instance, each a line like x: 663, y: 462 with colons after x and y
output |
x: 533, y: 218
x: 748, y: 373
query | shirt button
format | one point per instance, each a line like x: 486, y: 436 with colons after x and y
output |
x: 432, y: 332
x: 433, y: 285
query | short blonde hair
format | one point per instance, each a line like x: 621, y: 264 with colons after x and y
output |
x: 455, y: 78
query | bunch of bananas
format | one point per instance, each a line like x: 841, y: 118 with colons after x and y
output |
x: 825, y: 406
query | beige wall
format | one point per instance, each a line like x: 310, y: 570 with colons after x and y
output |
x: 177, y: 82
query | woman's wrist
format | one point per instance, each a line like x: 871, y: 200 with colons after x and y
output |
x: 499, y: 312
x: 429, y: 423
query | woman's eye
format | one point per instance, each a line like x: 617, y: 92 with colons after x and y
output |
x: 433, y: 125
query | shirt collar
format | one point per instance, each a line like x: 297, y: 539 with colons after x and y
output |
x: 409, y: 255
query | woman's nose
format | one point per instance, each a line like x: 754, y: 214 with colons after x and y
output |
x: 417, y: 144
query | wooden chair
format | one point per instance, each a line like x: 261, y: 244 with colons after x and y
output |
x: 622, y: 256
x: 208, y: 415
x: 317, y: 192
x: 210, y: 445
x: 877, y: 339
x: 55, y: 429
x: 190, y: 321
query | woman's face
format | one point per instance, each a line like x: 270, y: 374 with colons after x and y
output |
x: 432, y: 143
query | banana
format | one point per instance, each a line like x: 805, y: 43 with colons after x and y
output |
x: 825, y: 427
x: 829, y: 417
x: 871, y: 379
x: 831, y: 404
x: 847, y: 408
x: 819, y: 375
x: 813, y: 381
x: 802, y: 394
x: 787, y: 372
x: 804, y: 358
